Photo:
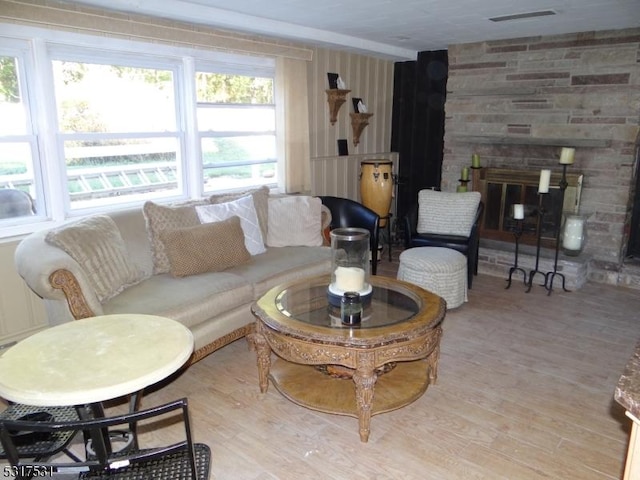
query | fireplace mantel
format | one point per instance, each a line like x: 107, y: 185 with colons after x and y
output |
x: 540, y: 142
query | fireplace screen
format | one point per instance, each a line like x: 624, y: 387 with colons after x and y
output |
x: 502, y: 188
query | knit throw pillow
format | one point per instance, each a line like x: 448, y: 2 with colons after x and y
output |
x: 210, y: 247
x: 161, y: 217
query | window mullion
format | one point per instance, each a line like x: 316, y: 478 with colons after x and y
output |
x: 193, y: 152
x: 51, y: 163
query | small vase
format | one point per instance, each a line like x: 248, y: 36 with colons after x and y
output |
x: 573, y: 234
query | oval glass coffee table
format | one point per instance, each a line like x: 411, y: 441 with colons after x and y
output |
x: 384, y: 363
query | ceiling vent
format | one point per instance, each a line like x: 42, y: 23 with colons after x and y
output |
x: 520, y: 16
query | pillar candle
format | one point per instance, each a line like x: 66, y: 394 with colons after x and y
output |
x: 518, y: 211
x: 350, y: 279
x: 573, y: 233
x: 465, y: 173
x: 475, y: 160
x: 545, y: 177
x: 566, y: 156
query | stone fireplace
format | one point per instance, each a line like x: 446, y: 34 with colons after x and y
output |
x: 516, y: 103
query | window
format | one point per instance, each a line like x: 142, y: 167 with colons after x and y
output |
x: 118, y: 130
x: 236, y: 123
x: 19, y: 179
x: 88, y: 125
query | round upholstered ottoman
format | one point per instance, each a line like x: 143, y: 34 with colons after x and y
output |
x: 442, y: 271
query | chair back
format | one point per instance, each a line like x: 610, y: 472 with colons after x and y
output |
x: 349, y: 213
x: 180, y: 460
x: 446, y: 213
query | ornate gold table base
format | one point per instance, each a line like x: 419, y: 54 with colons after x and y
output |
x: 294, y: 376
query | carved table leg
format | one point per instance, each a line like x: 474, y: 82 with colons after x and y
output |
x: 263, y: 352
x: 365, y: 379
x: 432, y: 365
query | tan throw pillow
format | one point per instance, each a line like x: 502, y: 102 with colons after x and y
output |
x: 161, y: 217
x: 294, y: 220
x: 210, y: 247
x: 260, y: 201
x: 97, y: 245
x: 446, y: 212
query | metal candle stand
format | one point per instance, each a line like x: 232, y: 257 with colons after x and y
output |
x: 541, y: 212
x: 550, y: 276
x: 517, y: 233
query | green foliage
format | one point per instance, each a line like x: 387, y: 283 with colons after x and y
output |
x: 9, y: 88
x: 222, y: 88
x: 151, y: 76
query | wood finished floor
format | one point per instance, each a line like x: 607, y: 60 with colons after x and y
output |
x: 525, y: 391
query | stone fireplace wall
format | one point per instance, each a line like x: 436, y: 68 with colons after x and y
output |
x: 516, y: 102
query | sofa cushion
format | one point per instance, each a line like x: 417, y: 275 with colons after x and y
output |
x: 211, y: 247
x: 260, y: 201
x: 161, y: 217
x: 279, y: 265
x: 294, y: 221
x: 446, y: 212
x: 245, y: 210
x: 96, y: 244
x: 189, y: 300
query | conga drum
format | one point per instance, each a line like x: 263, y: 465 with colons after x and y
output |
x: 376, y: 186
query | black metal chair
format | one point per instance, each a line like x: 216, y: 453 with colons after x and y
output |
x: 349, y: 213
x: 467, y: 245
x: 180, y: 460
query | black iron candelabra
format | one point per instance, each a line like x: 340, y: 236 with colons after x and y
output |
x: 550, y: 276
x: 541, y: 212
x: 517, y: 233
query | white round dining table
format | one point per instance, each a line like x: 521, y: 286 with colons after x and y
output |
x: 93, y: 359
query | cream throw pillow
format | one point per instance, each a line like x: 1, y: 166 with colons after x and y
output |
x: 97, y: 245
x: 243, y: 208
x: 211, y: 247
x: 260, y: 202
x: 447, y: 213
x: 294, y: 221
x: 161, y: 217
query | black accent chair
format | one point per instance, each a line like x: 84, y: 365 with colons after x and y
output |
x: 349, y: 213
x: 469, y: 246
x: 178, y: 461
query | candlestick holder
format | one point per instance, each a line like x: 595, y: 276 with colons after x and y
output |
x: 541, y: 212
x: 463, y: 185
x: 517, y: 233
x: 550, y: 276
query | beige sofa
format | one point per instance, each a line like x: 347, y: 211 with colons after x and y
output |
x: 214, y: 305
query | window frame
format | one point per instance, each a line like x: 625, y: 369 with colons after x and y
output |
x: 207, y: 67
x: 41, y: 46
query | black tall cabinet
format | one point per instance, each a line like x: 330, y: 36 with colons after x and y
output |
x: 417, y: 128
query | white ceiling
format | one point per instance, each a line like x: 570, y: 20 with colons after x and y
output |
x: 395, y: 29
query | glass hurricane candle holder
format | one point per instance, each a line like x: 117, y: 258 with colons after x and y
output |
x: 349, y: 264
x: 574, y: 234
